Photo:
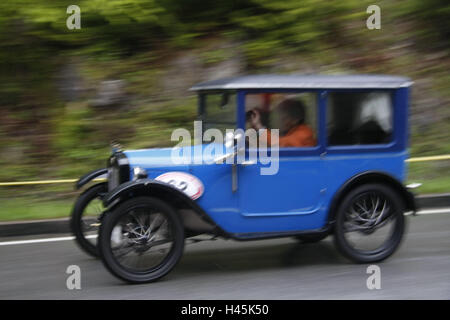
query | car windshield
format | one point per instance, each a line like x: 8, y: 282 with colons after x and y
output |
x: 219, y: 111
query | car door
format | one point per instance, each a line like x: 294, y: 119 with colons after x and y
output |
x: 296, y: 190
x: 292, y: 197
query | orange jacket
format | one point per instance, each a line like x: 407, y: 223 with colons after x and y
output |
x: 299, y: 136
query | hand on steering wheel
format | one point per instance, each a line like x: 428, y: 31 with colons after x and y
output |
x: 255, y: 119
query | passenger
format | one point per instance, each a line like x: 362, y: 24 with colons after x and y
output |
x: 293, y: 132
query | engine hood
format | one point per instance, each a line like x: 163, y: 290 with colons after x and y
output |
x: 166, y: 158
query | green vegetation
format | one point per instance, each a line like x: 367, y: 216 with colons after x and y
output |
x: 434, y: 176
x: 52, y: 125
x: 26, y: 209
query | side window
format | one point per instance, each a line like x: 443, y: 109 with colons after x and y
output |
x: 359, y: 118
x: 294, y: 115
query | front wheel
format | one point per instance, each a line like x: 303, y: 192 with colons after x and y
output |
x: 84, y: 219
x: 370, y: 223
x: 141, y: 240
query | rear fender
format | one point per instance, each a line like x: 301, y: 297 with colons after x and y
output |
x: 371, y: 177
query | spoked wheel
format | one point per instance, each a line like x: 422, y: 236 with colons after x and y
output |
x: 84, y: 219
x: 370, y: 223
x: 141, y: 240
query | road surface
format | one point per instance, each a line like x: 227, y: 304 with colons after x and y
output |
x: 226, y: 269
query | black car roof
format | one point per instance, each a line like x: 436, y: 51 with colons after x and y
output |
x: 292, y: 81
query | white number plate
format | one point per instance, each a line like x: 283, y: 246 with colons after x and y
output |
x: 184, y: 182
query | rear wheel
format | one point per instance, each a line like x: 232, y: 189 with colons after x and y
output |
x: 141, y: 240
x: 369, y: 223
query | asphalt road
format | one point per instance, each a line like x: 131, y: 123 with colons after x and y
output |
x: 269, y: 269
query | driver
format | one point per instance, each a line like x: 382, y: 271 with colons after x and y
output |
x: 294, y: 132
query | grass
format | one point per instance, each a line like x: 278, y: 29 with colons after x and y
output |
x: 434, y: 176
x: 435, y: 185
x: 26, y: 209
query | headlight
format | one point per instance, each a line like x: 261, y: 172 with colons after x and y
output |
x: 139, y: 173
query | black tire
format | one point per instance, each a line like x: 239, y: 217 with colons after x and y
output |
x: 311, y: 238
x: 394, y: 214
x: 76, y: 219
x: 111, y: 220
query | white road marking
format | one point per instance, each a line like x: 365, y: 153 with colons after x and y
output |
x: 434, y: 211
x: 429, y: 211
x: 10, y: 243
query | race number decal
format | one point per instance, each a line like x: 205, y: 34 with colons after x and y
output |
x: 184, y: 182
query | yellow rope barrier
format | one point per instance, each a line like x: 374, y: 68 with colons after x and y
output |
x: 431, y: 158
x: 23, y: 183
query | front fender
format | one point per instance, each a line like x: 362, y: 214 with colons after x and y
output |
x: 90, y: 176
x: 154, y: 188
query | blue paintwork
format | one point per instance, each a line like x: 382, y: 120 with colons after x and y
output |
x: 299, y: 196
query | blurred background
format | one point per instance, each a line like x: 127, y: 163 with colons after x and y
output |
x: 65, y: 94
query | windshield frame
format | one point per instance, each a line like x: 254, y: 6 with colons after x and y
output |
x: 202, y: 109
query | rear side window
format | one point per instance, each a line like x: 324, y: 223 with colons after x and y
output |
x: 359, y: 118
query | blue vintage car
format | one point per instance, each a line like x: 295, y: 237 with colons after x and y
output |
x: 336, y: 166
